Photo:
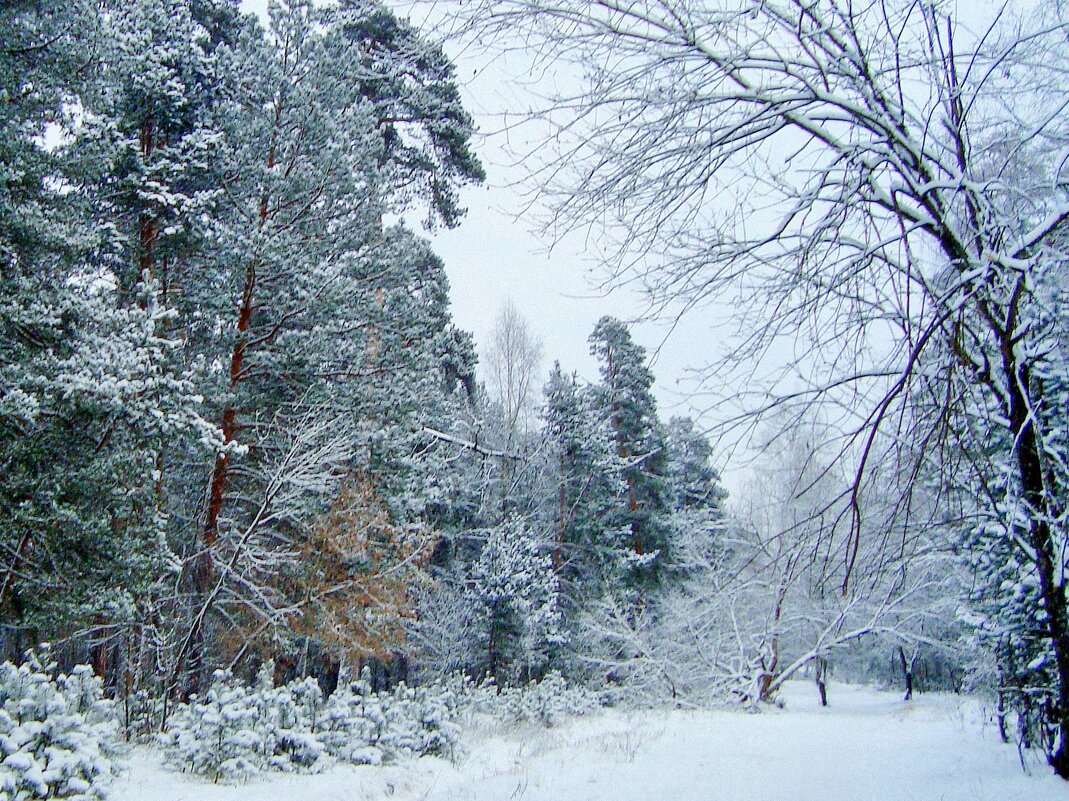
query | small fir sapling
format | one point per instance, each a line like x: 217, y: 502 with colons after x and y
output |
x: 287, y: 720
x: 217, y: 736
x: 352, y: 724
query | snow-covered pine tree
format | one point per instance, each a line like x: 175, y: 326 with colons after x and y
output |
x: 298, y: 709
x: 37, y: 231
x: 412, y: 87
x: 419, y: 721
x: 40, y: 229
x: 698, y: 517
x: 301, y: 204
x: 238, y: 730
x: 301, y: 310
x: 692, y: 479
x: 639, y: 519
x: 514, y: 600
x: 587, y: 476
x: 152, y: 135
x: 97, y: 361
x: 417, y: 377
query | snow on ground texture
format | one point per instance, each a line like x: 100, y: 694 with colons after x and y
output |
x: 865, y: 746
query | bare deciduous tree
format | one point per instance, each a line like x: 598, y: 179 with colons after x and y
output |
x: 305, y: 455
x: 513, y: 359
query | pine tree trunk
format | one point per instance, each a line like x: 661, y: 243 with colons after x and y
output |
x: 203, y: 572
x: 13, y: 568
x: 562, y: 505
x: 1000, y: 712
x: 491, y: 652
x: 148, y: 230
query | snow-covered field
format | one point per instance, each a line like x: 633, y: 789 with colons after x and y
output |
x: 865, y: 745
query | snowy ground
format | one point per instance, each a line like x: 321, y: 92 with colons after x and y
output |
x: 865, y: 746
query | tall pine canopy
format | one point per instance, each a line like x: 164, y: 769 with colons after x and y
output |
x: 208, y: 329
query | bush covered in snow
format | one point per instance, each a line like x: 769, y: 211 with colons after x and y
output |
x: 369, y: 728
x: 238, y: 730
x: 547, y: 701
x: 56, y: 732
x: 421, y: 720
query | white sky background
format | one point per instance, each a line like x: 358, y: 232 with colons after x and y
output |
x: 493, y: 257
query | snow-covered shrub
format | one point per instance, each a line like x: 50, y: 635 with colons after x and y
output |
x: 353, y: 724
x: 363, y: 727
x: 420, y: 720
x: 547, y: 701
x: 220, y: 736
x: 236, y: 730
x: 56, y: 733
x: 287, y: 719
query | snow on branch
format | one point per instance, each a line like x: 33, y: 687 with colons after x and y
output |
x: 472, y: 445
